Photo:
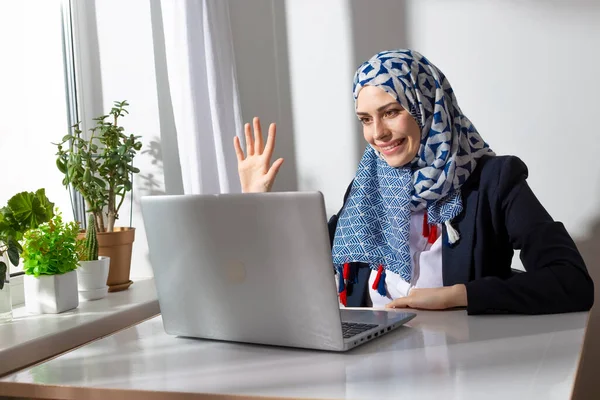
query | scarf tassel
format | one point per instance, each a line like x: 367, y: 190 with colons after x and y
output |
x: 343, y: 284
x: 433, y: 234
x: 426, y: 232
x: 453, y: 235
x: 431, y: 231
x: 379, y: 283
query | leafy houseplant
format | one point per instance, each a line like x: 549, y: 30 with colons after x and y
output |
x: 50, y: 249
x: 49, y: 262
x: 101, y: 169
x: 93, y: 270
x: 24, y: 211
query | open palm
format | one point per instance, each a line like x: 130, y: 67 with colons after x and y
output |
x: 254, y: 168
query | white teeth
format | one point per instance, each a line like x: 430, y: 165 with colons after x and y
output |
x: 398, y: 143
x: 391, y: 147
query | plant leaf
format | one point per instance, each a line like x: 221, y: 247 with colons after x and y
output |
x: 45, y: 204
x: 21, y: 205
x: 87, y: 176
x: 2, y: 274
x: 13, y: 252
x: 61, y: 166
x: 29, y: 209
x: 99, y: 182
x: 4, y: 226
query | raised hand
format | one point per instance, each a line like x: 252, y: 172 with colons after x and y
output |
x: 254, y: 168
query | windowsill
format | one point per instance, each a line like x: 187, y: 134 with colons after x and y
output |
x: 31, y: 338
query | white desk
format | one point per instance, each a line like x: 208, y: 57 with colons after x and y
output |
x: 30, y: 338
x: 439, y: 355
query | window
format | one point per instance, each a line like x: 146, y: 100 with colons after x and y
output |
x: 32, y: 100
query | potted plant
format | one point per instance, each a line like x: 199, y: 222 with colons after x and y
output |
x: 101, y: 169
x: 24, y: 211
x: 49, y: 262
x: 92, y: 272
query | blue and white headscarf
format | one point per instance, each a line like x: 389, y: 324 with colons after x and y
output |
x: 374, y: 225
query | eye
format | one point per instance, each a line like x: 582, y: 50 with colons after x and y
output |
x: 391, y: 113
x: 365, y: 120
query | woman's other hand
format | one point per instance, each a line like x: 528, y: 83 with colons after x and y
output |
x: 254, y: 168
x: 433, y: 299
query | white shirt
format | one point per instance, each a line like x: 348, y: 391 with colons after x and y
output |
x: 426, y: 265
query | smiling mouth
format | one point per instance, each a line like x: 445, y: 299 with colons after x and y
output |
x: 390, y: 149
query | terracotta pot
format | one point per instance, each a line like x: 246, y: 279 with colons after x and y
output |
x: 117, y: 246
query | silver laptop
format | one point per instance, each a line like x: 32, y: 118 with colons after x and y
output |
x: 253, y: 268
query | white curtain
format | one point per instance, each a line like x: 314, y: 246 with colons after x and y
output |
x: 200, y: 99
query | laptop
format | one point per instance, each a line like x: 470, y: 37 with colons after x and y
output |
x: 253, y: 268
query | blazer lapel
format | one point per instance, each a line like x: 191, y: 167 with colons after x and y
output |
x: 457, y: 259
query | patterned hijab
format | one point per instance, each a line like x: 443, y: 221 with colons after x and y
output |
x: 374, y: 225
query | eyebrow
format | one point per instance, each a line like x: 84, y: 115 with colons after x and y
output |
x: 380, y: 108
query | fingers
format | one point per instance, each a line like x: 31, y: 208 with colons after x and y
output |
x: 270, y: 146
x: 274, y: 169
x: 255, y: 142
x: 249, y: 140
x: 238, y: 149
x: 402, y: 302
x: 258, y: 138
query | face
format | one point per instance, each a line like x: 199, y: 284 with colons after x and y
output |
x: 387, y: 126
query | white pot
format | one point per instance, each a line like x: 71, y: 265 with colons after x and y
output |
x: 93, y: 274
x: 92, y: 277
x: 51, y: 294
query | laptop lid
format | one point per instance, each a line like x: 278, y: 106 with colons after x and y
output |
x: 245, y: 267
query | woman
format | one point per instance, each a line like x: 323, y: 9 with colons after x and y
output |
x: 433, y: 215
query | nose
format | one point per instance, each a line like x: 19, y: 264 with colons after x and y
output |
x: 380, y: 130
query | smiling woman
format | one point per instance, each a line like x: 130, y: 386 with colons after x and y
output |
x: 387, y: 126
x: 432, y: 212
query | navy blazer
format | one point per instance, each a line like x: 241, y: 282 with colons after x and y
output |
x: 501, y: 213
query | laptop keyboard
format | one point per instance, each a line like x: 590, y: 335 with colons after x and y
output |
x: 350, y: 329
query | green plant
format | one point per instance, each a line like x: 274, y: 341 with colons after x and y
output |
x: 100, y: 168
x: 80, y: 249
x: 24, y: 211
x: 50, y: 249
x: 89, y: 249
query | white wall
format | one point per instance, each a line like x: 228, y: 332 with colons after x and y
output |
x: 321, y: 74
x: 523, y: 71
